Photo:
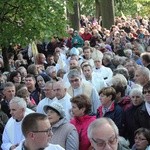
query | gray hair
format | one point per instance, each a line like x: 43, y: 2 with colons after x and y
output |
x: 119, y: 79
x: 144, y: 71
x: 137, y: 90
x: 99, y: 122
x: 74, y: 73
x: 20, y: 101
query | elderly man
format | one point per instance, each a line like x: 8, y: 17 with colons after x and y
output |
x: 37, y: 132
x: 104, y: 135
x: 78, y: 86
x: 142, y: 115
x: 50, y: 96
x: 63, y: 97
x: 12, y: 134
x: 142, y: 75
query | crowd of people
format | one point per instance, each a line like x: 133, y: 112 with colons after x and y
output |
x: 90, y: 90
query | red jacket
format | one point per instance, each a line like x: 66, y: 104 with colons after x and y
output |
x: 86, y: 36
x: 81, y: 124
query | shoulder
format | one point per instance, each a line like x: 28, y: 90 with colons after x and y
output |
x: 54, y: 147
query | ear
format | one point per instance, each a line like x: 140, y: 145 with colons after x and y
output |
x: 110, y: 97
x: 83, y: 109
x: 31, y: 135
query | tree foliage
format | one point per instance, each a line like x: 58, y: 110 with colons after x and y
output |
x: 21, y: 21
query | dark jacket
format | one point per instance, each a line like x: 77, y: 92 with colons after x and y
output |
x: 129, y: 123
x: 115, y: 113
x: 142, y: 117
x: 5, y: 108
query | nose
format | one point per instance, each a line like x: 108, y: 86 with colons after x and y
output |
x: 107, y: 147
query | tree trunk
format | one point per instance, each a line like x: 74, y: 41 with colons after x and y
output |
x: 75, y: 17
x: 107, y: 10
x: 98, y: 9
x: 5, y: 58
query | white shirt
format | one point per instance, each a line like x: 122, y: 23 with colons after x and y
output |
x: 97, y: 81
x: 49, y: 147
x: 105, y: 72
x: 43, y: 102
x: 12, y: 133
x: 65, y: 102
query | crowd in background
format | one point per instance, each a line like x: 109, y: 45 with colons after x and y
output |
x: 93, y: 73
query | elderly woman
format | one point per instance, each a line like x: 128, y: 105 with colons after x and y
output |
x: 142, y: 139
x: 64, y: 133
x: 81, y: 107
x: 109, y: 108
x: 137, y: 99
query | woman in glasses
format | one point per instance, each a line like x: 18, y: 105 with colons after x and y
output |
x: 142, y: 139
x: 64, y: 133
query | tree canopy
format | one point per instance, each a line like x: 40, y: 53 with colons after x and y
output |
x: 21, y: 21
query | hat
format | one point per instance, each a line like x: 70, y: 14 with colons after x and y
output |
x: 97, y: 55
x: 56, y: 107
x: 74, y: 51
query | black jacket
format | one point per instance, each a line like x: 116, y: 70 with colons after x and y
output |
x: 142, y: 118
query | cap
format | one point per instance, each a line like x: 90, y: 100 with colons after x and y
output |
x: 74, y: 51
x: 56, y: 107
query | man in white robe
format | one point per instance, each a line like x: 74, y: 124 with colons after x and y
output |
x: 50, y: 97
x: 12, y: 134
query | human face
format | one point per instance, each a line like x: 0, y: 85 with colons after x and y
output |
x: 17, y: 78
x: 105, y: 100
x: 136, y: 99
x: 43, y: 135
x: 9, y: 92
x: 87, y: 71
x: 104, y: 138
x: 52, y: 116
x: 146, y: 93
x: 23, y: 72
x: 59, y: 90
x: 98, y: 63
x: 41, y: 82
x: 131, y: 68
x: 29, y: 82
x: 16, y: 111
x: 42, y: 58
x: 49, y: 93
x: 87, y: 53
x: 76, y: 112
x: 139, y: 78
x: 140, y: 142
x: 73, y: 63
x: 75, y: 82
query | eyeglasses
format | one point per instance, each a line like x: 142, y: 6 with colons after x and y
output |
x: 102, y: 143
x: 75, y: 80
x: 148, y: 91
x: 139, y: 139
x: 48, y: 131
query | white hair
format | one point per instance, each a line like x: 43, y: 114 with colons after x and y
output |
x: 20, y: 101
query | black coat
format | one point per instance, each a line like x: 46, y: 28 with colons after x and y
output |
x: 142, y: 118
x: 130, y: 124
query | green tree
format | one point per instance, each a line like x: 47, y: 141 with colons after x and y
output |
x: 22, y: 21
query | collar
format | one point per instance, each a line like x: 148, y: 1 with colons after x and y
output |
x: 147, y: 107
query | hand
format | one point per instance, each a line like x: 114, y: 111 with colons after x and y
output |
x: 13, y: 147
